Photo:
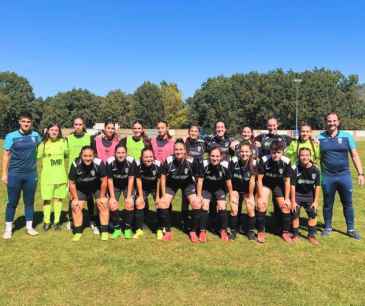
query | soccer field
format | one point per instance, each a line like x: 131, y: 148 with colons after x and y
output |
x: 52, y: 270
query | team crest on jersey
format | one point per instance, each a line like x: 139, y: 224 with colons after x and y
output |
x: 339, y: 140
x: 186, y: 170
x: 281, y: 171
x: 126, y: 170
x: 92, y: 172
x: 314, y: 175
x: 153, y: 172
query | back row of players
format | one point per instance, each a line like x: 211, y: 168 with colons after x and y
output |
x: 104, y: 168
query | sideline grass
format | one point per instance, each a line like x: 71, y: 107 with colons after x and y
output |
x: 52, y: 270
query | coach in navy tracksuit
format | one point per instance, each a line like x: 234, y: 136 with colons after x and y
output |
x: 335, y: 145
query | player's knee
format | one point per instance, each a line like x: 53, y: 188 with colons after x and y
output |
x: 312, y: 214
x: 261, y: 205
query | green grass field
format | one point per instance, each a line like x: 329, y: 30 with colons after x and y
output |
x: 52, y: 270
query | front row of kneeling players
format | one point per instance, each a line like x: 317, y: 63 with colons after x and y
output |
x: 244, y: 179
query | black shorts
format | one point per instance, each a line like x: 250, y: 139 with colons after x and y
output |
x: 119, y: 192
x: 304, y: 199
x: 278, y: 191
x: 242, y: 189
x: 83, y: 196
x: 219, y: 195
x: 187, y: 190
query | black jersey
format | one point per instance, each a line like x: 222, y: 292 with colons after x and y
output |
x: 180, y: 173
x: 304, y: 179
x: 149, y: 175
x: 241, y: 173
x: 195, y: 148
x: 87, y: 178
x: 274, y: 172
x: 120, y: 171
x: 222, y: 142
x: 215, y: 177
x: 266, y: 140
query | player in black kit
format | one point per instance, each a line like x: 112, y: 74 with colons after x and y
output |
x: 243, y: 172
x: 88, y: 181
x: 305, y: 192
x: 274, y: 173
x: 214, y: 183
x: 121, y: 170
x: 263, y: 141
x: 147, y: 181
x: 178, y: 172
x: 219, y: 139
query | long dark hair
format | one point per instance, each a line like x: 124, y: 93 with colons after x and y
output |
x: 84, y: 148
x: 106, y: 123
x: 169, y: 136
x: 251, y: 159
x: 51, y: 125
x: 252, y: 138
x: 83, y: 122
x: 311, y: 141
x: 145, y: 138
x: 145, y: 149
x: 46, y: 134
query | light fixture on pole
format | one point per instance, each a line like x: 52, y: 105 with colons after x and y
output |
x: 297, y: 83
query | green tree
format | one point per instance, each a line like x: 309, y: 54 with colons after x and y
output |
x: 174, y: 108
x: 65, y: 106
x: 148, y: 105
x: 17, y: 96
x: 118, y: 106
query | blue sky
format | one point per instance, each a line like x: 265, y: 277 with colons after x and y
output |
x: 104, y: 45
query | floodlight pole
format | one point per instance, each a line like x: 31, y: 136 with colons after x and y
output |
x: 297, y: 83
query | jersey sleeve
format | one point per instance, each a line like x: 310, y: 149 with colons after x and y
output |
x: 38, y: 138
x: 133, y: 171
x: 227, y: 174
x: 8, y: 142
x: 108, y: 170
x: 260, y: 167
x: 65, y: 148
x: 40, y: 150
x: 293, y: 177
x: 317, y: 181
x: 198, y: 168
x: 164, y: 168
x: 138, y: 171
x: 93, y: 143
x: 290, y: 151
x: 287, y: 171
x: 352, y: 143
x: 72, y: 176
x: 102, y: 169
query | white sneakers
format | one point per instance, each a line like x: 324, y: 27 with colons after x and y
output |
x: 32, y: 232
x: 7, y: 235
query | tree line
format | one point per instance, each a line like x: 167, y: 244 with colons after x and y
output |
x: 240, y: 99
